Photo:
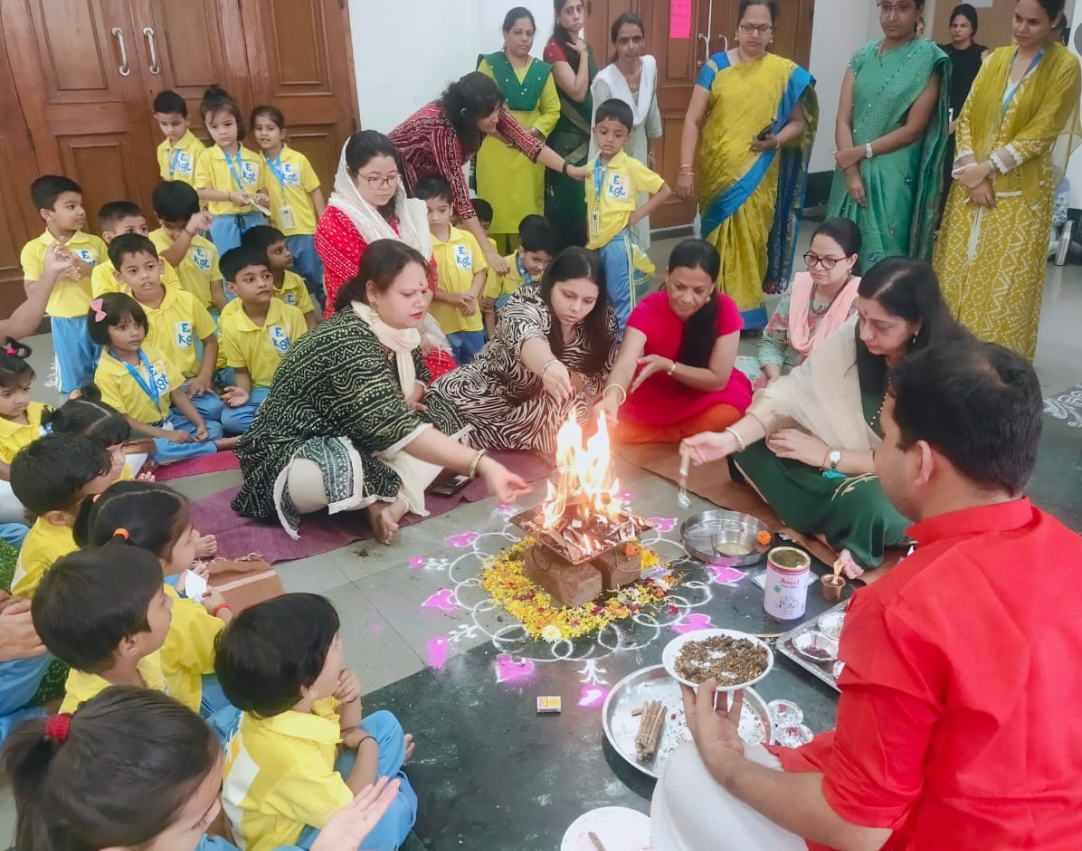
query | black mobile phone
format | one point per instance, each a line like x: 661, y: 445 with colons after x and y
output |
x: 451, y: 486
x: 765, y: 132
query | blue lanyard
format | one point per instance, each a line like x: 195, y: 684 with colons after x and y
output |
x: 276, y: 167
x: 234, y: 168
x: 599, y: 178
x: 150, y: 389
x: 173, y: 162
x: 1014, y: 91
x: 527, y: 278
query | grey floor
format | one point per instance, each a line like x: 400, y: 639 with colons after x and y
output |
x: 380, y: 592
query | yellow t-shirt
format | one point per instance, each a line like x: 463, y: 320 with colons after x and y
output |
x: 457, y: 261
x: 279, y: 776
x: 175, y: 325
x: 179, y: 162
x: 294, y: 292
x: 68, y: 299
x: 259, y: 349
x: 289, y: 180
x: 509, y: 284
x: 213, y: 172
x: 103, y: 279
x: 197, y: 270
x: 81, y: 686
x: 622, y: 181
x: 14, y: 436
x: 120, y: 389
x: 44, y: 544
x: 188, y: 651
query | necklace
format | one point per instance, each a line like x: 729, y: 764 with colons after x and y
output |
x: 878, y: 413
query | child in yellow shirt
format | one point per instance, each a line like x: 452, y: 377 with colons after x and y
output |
x: 288, y: 285
x: 20, y: 424
x: 255, y: 331
x: 281, y: 663
x: 181, y: 245
x: 537, y: 245
x: 296, y: 200
x: 51, y: 477
x: 158, y: 519
x: 181, y: 151
x: 231, y: 178
x: 103, y: 611
x: 59, y: 201
x: 462, y: 270
x: 118, y: 218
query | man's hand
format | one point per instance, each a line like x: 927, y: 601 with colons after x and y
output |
x: 716, y: 731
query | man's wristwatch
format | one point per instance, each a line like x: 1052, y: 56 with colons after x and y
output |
x: 834, y: 458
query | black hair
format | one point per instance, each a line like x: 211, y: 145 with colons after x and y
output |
x: 435, y: 187
x: 563, y: 38
x: 50, y: 473
x: 466, y: 100
x: 909, y: 289
x: 517, y: 14
x: 626, y: 19
x: 361, y: 148
x: 271, y: 112
x: 616, y: 110
x: 92, y: 599
x: 967, y: 11
x: 114, y: 212
x: 572, y: 263
x: 155, y: 517
x: 272, y: 650
x: 844, y: 232
x: 174, y: 201
x: 1052, y: 8
x: 116, y: 307
x: 771, y: 5
x: 481, y: 207
x: 130, y: 244
x: 239, y: 258
x: 132, y: 760
x: 168, y: 103
x: 13, y: 365
x: 700, y: 329
x: 261, y: 237
x: 977, y: 403
x: 536, y: 234
x: 381, y: 262
x: 216, y: 99
x: 45, y: 191
x: 87, y: 416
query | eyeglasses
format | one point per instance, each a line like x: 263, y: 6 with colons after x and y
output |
x: 888, y: 9
x: 376, y: 181
x: 827, y: 263
x: 760, y: 29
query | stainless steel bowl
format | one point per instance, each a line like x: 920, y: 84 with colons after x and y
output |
x: 705, y: 532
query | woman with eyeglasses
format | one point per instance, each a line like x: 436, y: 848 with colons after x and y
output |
x: 818, y: 301
x: 1017, y: 130
x: 891, y: 137
x: 744, y: 151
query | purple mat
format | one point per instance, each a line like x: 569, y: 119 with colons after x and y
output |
x: 321, y: 533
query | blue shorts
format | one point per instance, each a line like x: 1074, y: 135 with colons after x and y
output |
x: 239, y: 420
x: 167, y: 452
x: 307, y: 262
x: 465, y: 345
x: 617, y: 255
x: 226, y: 230
x: 76, y: 354
x: 19, y: 682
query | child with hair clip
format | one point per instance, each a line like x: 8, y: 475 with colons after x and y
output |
x: 158, y: 519
x: 20, y: 423
x: 88, y: 416
x: 136, y: 769
x: 229, y: 176
x: 146, y: 388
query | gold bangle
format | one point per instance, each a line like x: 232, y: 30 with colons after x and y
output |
x: 620, y: 387
x: 481, y: 453
x: 739, y: 440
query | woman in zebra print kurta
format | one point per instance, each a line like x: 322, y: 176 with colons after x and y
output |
x: 549, y: 358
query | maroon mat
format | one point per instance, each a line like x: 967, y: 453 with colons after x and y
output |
x: 216, y: 463
x: 320, y: 533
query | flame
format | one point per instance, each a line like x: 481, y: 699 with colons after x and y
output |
x: 583, y: 470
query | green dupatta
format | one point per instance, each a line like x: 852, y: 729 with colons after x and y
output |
x: 519, y: 96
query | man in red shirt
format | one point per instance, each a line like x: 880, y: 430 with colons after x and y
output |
x: 957, y: 725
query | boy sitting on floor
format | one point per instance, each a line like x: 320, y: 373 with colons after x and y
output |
x: 119, y: 218
x: 537, y: 246
x: 288, y: 285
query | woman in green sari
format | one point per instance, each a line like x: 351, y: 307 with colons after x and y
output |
x: 891, y: 137
x: 574, y: 69
x: 757, y: 113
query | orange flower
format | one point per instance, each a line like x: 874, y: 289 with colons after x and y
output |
x: 764, y: 537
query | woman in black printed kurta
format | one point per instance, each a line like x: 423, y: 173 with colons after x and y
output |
x: 549, y: 358
x: 347, y: 424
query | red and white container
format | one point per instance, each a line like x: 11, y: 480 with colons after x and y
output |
x: 786, y: 583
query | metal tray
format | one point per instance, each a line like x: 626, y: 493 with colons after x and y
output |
x: 654, y: 683
x: 700, y: 531
x: 822, y: 670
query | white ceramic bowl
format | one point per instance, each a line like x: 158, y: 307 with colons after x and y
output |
x: 672, y: 652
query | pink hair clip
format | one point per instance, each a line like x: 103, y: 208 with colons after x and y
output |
x: 12, y: 351
x: 99, y: 314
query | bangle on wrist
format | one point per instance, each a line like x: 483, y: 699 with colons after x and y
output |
x: 547, y: 364
x: 671, y: 369
x: 563, y: 170
x: 868, y: 152
x: 739, y: 440
x: 219, y: 607
x: 620, y: 387
x: 477, y: 459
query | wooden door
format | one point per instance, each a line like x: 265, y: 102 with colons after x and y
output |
x: 792, y: 35
x: 74, y: 63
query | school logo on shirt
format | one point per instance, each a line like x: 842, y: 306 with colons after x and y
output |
x: 87, y: 255
x: 184, y: 163
x: 291, y: 175
x: 183, y: 335
x: 249, y: 171
x: 201, y: 259
x: 464, y: 257
x: 279, y: 338
x: 160, y: 377
x: 290, y: 298
x: 617, y: 188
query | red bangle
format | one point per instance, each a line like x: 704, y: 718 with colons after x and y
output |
x: 218, y: 608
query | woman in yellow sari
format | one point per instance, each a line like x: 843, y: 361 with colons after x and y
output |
x: 1016, y: 132
x: 758, y: 115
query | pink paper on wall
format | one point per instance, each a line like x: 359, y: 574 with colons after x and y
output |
x: 680, y: 19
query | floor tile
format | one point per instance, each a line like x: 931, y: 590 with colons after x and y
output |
x: 374, y: 648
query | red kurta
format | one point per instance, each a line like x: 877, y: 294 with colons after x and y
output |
x: 958, y: 725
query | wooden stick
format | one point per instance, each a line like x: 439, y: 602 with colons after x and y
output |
x: 598, y: 844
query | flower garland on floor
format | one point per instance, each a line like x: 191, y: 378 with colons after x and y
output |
x: 504, y: 577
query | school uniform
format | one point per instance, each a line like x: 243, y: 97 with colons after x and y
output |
x: 178, y: 162
x: 290, y: 180
x: 283, y: 778
x: 295, y: 293
x: 197, y: 270
x: 457, y: 261
x: 188, y: 654
x: 13, y: 437
x: 82, y: 686
x: 501, y: 287
x: 612, y: 194
x: 45, y: 543
x: 142, y: 393
x: 20, y: 680
x: 104, y: 280
x: 258, y: 349
x: 243, y: 171
x: 68, y: 304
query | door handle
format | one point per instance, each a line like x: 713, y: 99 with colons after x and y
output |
x: 706, y: 49
x: 155, y: 68
x: 724, y: 38
x: 123, y: 69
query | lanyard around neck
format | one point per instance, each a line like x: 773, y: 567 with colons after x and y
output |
x: 275, y: 166
x: 235, y: 169
x: 599, y: 177
x: 173, y: 161
x: 151, y: 389
x: 1014, y: 88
